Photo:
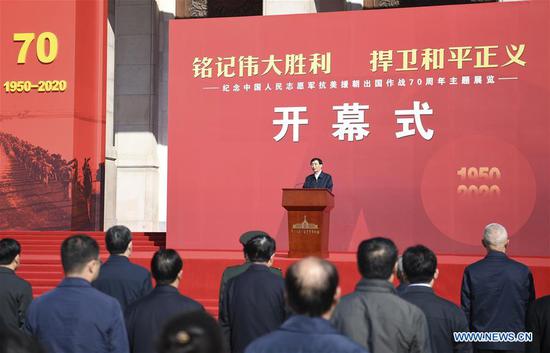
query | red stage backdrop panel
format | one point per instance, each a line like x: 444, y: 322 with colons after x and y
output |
x: 433, y: 123
x: 52, y: 114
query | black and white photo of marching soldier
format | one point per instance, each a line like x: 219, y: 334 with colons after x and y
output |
x: 40, y: 190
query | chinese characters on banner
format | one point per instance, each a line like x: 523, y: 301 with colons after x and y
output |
x: 351, y: 123
x: 427, y: 59
x: 430, y: 131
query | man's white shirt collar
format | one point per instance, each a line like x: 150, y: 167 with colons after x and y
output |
x: 317, y: 174
x: 420, y: 285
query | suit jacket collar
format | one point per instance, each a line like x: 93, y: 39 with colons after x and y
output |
x: 374, y: 285
x: 306, y: 324
x: 321, y: 175
x: 74, y: 282
x: 257, y: 267
x: 7, y: 271
x: 165, y: 289
x: 419, y: 289
x: 118, y: 259
x: 496, y: 255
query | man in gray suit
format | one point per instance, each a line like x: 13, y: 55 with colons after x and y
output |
x: 373, y: 315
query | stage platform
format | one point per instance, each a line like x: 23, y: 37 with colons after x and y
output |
x: 202, y: 271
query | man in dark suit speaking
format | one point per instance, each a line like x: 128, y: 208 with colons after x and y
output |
x: 319, y: 179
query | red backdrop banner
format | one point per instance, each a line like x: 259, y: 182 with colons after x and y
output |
x: 433, y: 122
x: 52, y: 114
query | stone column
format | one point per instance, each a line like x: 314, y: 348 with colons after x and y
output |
x: 135, y: 114
x: 110, y: 175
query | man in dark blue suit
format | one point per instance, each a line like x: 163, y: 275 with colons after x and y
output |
x: 75, y: 317
x: 444, y: 317
x: 118, y: 277
x: 312, y: 292
x: 146, y: 317
x: 253, y: 302
x: 496, y: 292
x: 319, y: 179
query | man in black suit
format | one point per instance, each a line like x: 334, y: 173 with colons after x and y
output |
x: 253, y: 302
x: 538, y: 322
x: 146, y: 317
x: 496, y: 292
x: 118, y: 277
x: 234, y: 271
x: 444, y: 317
x: 15, y: 292
x: 319, y: 179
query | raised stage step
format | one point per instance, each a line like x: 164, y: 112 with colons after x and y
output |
x: 40, y: 257
x: 202, y: 270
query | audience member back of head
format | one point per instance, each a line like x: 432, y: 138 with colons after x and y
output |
x: 373, y: 315
x: 75, y: 317
x: 191, y: 332
x: 496, y: 291
x: 444, y: 317
x: 253, y: 302
x: 146, y: 316
x: 312, y: 292
x: 118, y: 277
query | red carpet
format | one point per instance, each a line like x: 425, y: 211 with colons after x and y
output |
x: 40, y: 257
x: 202, y: 269
x: 202, y: 272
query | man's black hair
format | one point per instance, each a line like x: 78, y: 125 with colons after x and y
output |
x: 166, y: 264
x: 419, y: 264
x: 191, y: 332
x: 316, y: 159
x: 9, y: 249
x: 77, y: 251
x: 260, y: 248
x: 312, y: 296
x: 117, y: 239
x: 376, y: 258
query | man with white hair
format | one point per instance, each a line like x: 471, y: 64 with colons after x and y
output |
x: 496, y: 292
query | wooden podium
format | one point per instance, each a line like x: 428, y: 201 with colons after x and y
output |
x: 308, y: 221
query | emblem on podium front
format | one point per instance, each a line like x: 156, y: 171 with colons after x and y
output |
x: 305, y: 227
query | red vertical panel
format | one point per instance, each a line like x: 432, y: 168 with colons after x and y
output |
x: 55, y: 120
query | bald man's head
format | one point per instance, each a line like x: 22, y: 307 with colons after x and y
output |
x: 495, y: 237
x: 311, y: 285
